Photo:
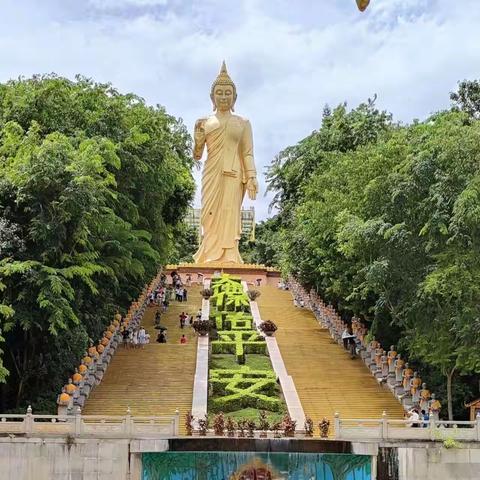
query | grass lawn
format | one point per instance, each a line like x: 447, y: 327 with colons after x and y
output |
x: 228, y: 362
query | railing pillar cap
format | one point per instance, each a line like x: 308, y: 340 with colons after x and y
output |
x: 78, y: 410
x: 336, y: 415
x: 384, y: 414
x: 129, y: 412
x: 29, y: 410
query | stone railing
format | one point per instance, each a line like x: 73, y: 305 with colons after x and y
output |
x: 397, y: 430
x: 98, y: 426
x: 163, y: 427
x: 388, y: 367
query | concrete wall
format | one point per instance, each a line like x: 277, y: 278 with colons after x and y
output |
x: 434, y: 462
x: 57, y: 459
x: 109, y: 459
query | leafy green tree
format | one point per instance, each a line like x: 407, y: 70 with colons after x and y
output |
x: 94, y: 184
x: 467, y: 97
x: 184, y: 244
x: 387, y: 228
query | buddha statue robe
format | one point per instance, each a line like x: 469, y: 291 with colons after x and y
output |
x: 229, y: 159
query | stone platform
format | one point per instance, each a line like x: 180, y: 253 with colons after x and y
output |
x: 250, y: 272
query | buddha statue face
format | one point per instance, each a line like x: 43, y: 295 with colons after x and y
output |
x: 223, y: 97
x: 223, y: 93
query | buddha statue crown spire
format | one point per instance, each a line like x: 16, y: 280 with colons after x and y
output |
x: 223, y: 78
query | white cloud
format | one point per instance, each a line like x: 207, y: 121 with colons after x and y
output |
x: 287, y: 58
x: 106, y: 4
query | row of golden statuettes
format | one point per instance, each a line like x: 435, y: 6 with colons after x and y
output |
x: 91, y: 357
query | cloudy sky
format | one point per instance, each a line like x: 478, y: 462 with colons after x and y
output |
x: 288, y: 57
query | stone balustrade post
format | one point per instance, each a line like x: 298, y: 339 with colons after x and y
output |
x: 78, y: 421
x: 384, y: 425
x: 433, y: 426
x: 176, y: 423
x: 128, y: 422
x: 477, y: 419
x: 336, y: 425
x: 29, y: 422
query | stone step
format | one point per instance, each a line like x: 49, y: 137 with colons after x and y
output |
x: 326, y: 378
x: 157, y: 379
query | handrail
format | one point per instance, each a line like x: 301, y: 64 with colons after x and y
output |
x: 116, y: 426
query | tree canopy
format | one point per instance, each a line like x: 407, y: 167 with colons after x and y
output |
x: 93, y: 184
x: 383, y: 220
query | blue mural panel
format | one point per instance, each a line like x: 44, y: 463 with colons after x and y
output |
x: 254, y: 466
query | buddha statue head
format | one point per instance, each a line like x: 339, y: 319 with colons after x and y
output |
x: 223, y: 93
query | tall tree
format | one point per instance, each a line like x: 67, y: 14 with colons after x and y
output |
x: 94, y: 183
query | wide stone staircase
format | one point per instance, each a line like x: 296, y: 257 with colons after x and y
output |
x: 157, y: 379
x: 326, y: 378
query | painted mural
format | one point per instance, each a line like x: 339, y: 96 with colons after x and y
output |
x: 254, y: 466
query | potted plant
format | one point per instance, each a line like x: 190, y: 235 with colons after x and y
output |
x: 201, y: 326
x: 263, y: 424
x: 242, y: 425
x: 308, y: 425
x: 189, y: 423
x: 324, y: 427
x: 206, y: 293
x: 288, y: 426
x: 251, y: 428
x: 203, y: 424
x: 253, y: 295
x: 276, y: 427
x: 230, y: 426
x: 219, y: 424
x: 268, y: 328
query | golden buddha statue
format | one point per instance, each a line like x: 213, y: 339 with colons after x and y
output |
x: 424, y: 397
x: 229, y: 172
x: 82, y: 369
x: 435, y: 406
x: 76, y: 377
x: 87, y: 359
x: 392, y: 355
x: 92, y: 351
x: 70, y: 387
x: 64, y: 398
x: 407, y: 374
x: 415, y: 383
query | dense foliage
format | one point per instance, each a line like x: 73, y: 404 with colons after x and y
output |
x: 92, y: 186
x: 384, y: 221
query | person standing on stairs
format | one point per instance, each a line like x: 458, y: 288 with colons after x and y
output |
x: 183, y: 340
x: 141, y: 337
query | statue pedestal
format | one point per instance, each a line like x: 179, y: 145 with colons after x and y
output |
x: 251, y: 273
